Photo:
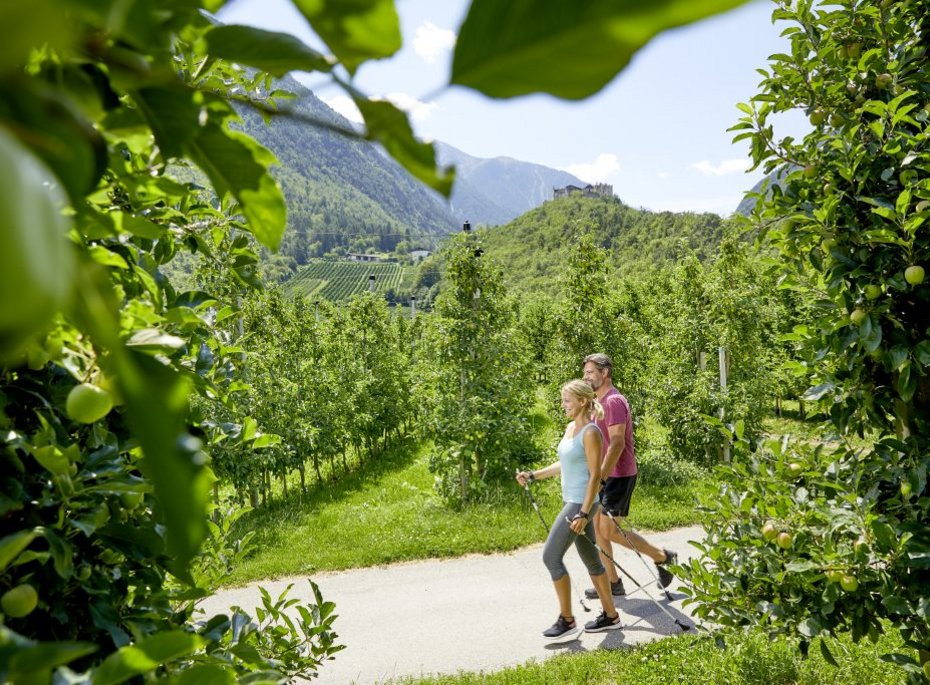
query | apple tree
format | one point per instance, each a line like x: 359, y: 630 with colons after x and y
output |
x: 473, y: 374
x: 848, y: 213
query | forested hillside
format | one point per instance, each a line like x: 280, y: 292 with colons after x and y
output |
x: 340, y: 191
x: 535, y: 246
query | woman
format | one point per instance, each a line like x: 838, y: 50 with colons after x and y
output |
x: 579, y: 464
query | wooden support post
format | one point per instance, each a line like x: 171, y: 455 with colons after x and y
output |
x: 724, y: 358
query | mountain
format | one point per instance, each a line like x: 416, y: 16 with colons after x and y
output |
x: 748, y: 203
x: 340, y: 190
x: 495, y: 191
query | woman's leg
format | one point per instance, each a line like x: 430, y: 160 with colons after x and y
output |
x: 592, y: 560
x: 559, y: 540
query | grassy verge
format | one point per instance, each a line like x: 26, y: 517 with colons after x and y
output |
x: 388, y: 512
x: 747, y: 660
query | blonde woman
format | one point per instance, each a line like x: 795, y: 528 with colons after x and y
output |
x: 579, y: 465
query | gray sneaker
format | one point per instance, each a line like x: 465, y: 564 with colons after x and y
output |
x: 602, y: 623
x: 665, y: 576
x: 616, y: 589
x: 562, y: 630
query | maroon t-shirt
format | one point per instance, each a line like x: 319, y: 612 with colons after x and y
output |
x: 617, y: 410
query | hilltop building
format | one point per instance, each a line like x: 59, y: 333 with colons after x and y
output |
x: 355, y: 257
x: 590, y: 190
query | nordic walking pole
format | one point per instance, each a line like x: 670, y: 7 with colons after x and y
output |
x: 668, y: 595
x: 529, y: 494
x: 683, y: 626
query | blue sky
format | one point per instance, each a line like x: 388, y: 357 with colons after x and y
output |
x: 657, y: 132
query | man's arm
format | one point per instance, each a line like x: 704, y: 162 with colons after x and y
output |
x: 617, y: 433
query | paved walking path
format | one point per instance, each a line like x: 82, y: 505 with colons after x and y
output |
x: 473, y: 613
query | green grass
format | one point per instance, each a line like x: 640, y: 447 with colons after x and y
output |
x: 695, y: 659
x: 387, y: 512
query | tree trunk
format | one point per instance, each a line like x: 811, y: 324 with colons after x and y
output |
x: 802, y: 412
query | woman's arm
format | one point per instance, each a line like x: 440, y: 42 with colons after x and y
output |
x: 554, y: 469
x: 524, y: 477
x: 592, y: 453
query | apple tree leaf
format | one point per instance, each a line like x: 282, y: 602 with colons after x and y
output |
x: 355, y: 30
x: 389, y: 126
x: 270, y: 51
x: 570, y: 50
x: 237, y: 164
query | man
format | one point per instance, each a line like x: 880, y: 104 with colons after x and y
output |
x: 618, y: 468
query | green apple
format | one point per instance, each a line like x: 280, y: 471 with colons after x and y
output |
x: 87, y: 403
x: 834, y: 575
x: 795, y: 469
x: 914, y: 274
x: 810, y: 171
x: 19, y: 601
x: 131, y: 500
x: 872, y: 291
x: 857, y: 316
x: 784, y: 540
x: 769, y: 531
x: 883, y: 81
x: 849, y: 582
x: 817, y: 116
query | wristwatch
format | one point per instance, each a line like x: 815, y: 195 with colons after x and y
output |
x: 582, y: 514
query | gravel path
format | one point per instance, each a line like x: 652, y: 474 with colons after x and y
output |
x: 473, y: 613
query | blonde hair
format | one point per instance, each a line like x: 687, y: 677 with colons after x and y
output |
x: 583, y: 392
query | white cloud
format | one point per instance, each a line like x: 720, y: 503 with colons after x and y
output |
x: 597, y: 171
x: 417, y: 109
x: 727, y: 166
x: 431, y: 42
x: 663, y: 174
x: 344, y: 105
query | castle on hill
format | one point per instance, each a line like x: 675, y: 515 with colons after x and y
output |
x: 590, y: 190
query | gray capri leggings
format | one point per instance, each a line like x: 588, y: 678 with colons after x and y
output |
x: 561, y: 538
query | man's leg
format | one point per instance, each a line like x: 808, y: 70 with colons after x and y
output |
x: 633, y: 540
x: 621, y: 492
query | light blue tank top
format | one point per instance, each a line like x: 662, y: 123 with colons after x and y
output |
x: 574, y: 465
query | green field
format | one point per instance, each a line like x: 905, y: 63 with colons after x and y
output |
x: 339, y: 280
